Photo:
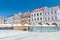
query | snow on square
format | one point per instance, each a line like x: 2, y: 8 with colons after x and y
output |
x: 25, y: 35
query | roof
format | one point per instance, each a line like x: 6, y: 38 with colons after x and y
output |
x: 39, y: 9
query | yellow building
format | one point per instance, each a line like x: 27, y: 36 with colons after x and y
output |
x: 22, y: 19
x: 22, y: 28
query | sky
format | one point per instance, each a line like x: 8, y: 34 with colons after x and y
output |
x: 10, y: 7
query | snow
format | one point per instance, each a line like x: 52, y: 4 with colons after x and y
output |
x: 25, y: 35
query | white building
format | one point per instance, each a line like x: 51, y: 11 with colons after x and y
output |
x: 37, y: 16
x: 10, y: 20
x: 14, y: 19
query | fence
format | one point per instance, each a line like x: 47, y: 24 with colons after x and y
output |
x: 44, y: 28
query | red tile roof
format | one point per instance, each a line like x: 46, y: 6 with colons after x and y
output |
x: 39, y: 9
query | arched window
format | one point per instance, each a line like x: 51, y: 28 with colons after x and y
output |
x: 47, y: 23
x: 54, y: 24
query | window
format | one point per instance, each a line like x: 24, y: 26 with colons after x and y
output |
x: 51, y: 12
x: 34, y: 14
x: 29, y: 16
x: 29, y: 20
x: 40, y: 18
x: 55, y: 18
x: 52, y: 18
x: 23, y: 23
x: 34, y: 19
x: 22, y: 16
x: 45, y: 18
x: 37, y: 14
x: 48, y: 13
x: 55, y: 12
x: 37, y: 19
x: 45, y: 13
x: 48, y: 9
x: 48, y: 18
x: 40, y: 13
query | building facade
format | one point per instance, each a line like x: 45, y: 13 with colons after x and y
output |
x: 10, y: 20
x: 21, y: 18
x: 26, y: 18
x: 1, y: 20
x: 45, y: 15
x: 37, y: 16
x: 52, y: 15
x: 17, y: 18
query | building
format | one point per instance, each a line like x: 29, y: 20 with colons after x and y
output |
x: 1, y: 20
x: 14, y: 19
x: 37, y: 16
x: 22, y: 18
x: 46, y: 15
x: 23, y: 28
x: 17, y: 18
x: 10, y: 20
x: 52, y: 15
x: 26, y: 18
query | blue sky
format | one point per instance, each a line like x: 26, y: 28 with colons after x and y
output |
x: 10, y: 7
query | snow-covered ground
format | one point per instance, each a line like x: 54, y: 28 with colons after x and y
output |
x: 25, y: 35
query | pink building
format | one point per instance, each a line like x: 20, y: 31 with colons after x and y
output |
x: 52, y: 15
